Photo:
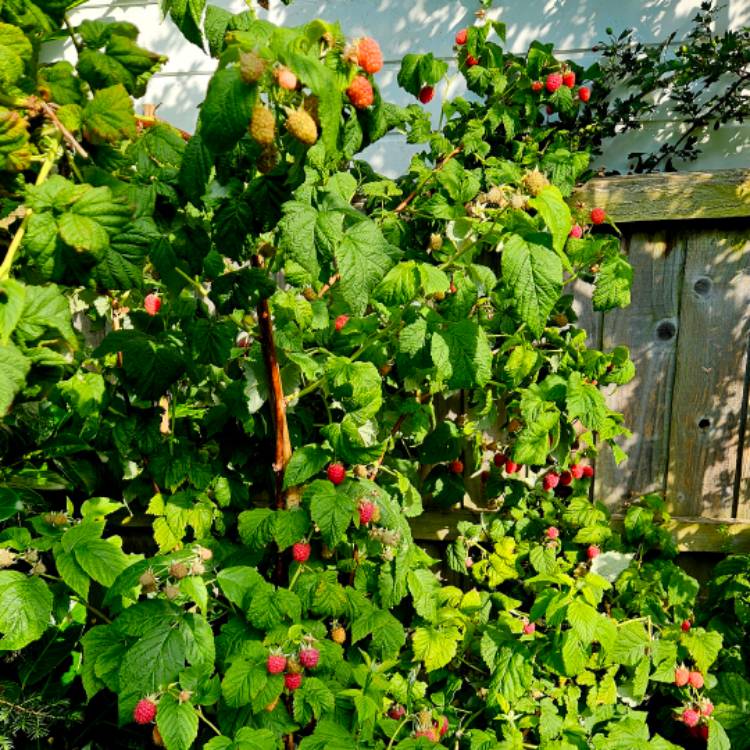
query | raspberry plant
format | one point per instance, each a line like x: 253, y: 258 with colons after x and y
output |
x: 268, y: 357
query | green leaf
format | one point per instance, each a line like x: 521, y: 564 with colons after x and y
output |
x: 25, y: 609
x: 109, y: 116
x: 703, y: 645
x: 419, y: 70
x: 328, y: 735
x: 554, y: 210
x: 435, y: 646
x: 256, y: 527
x: 177, y: 722
x: 399, y: 285
x: 533, y: 274
x: 305, y: 462
x: 585, y: 402
x: 82, y: 233
x: 331, y: 509
x: 462, y: 355
x: 613, y: 283
x: 290, y: 526
x: 101, y: 559
x: 45, y: 309
x: 363, y: 258
x: 226, y: 111
x: 312, y: 700
x: 12, y: 298
x: 630, y: 646
x: 512, y: 673
x: 583, y: 618
x: 424, y: 588
x: 13, y: 370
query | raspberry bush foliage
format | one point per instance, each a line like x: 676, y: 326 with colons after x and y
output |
x: 237, y: 366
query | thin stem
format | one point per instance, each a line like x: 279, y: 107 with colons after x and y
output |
x: 397, y: 732
x: 71, y: 31
x: 208, y: 723
x: 198, y: 286
x: 88, y: 606
x: 414, y: 193
x: 15, y: 243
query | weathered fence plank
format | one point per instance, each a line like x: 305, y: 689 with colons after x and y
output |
x: 649, y: 329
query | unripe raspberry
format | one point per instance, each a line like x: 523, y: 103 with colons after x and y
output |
x: 336, y: 473
x: 690, y: 717
x: 576, y: 232
x: 426, y: 93
x: 681, y: 676
x: 443, y: 725
x: 707, y: 708
x: 685, y: 626
x: 145, y: 711
x: 252, y: 67
x: 184, y: 696
x: 469, y: 562
x: 584, y: 94
x: 302, y: 126
x: 360, y: 93
x: 569, y: 79
x: 276, y: 663
x: 553, y: 82
x: 152, y: 304
x: 535, y: 182
x: 205, y: 553
x: 309, y: 657
x: 598, y: 215
x: 178, y: 570
x: 456, y: 466
x: 7, y: 557
x: 536, y: 86
x: 461, y: 36
x: 197, y: 568
x: 552, y: 533
x: 577, y: 471
x: 436, y: 241
x: 301, y: 552
x: 310, y: 105
x: 148, y: 581
x: 369, y: 56
x: 593, y: 552
x: 286, y: 79
x: 262, y: 126
x: 550, y: 481
x: 171, y: 591
x: 267, y: 159
x: 529, y: 628
x: 430, y: 734
x: 695, y: 679
x: 292, y: 681
x: 366, y: 510
x: 340, y: 322
x: 338, y: 634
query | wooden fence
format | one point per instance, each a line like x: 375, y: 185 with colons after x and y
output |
x: 687, y: 236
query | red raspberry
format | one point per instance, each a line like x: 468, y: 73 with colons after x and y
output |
x: 369, y: 56
x: 569, y: 79
x: 461, y: 37
x: 286, y: 79
x: 430, y: 734
x: 396, y: 712
x: 553, y: 82
x: 499, y: 460
x: 552, y: 532
x: 511, y: 466
x: 577, y: 471
x: 301, y: 552
x: 576, y: 231
x: 707, y: 708
x: 309, y: 657
x: 690, y: 717
x: 360, y: 93
x: 443, y: 726
x: 292, y: 681
x: 681, y: 676
x: 685, y: 626
x: 598, y: 215
x: 366, y: 510
x: 549, y: 109
x: 426, y: 93
x: 485, y: 476
x: 471, y: 61
x: 529, y: 628
x: 152, y: 304
x: 340, y: 322
x: 336, y: 473
x: 593, y: 552
x: 695, y: 679
x: 550, y: 481
x: 456, y: 466
x: 536, y: 86
x: 588, y: 472
x: 703, y: 731
x: 584, y: 93
x: 276, y: 663
x: 144, y: 711
x: 566, y: 478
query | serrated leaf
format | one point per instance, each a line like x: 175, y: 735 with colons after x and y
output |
x: 462, y: 355
x: 435, y: 646
x: 554, y: 210
x: 613, y: 283
x: 109, y: 117
x: 226, y: 110
x: 177, y: 722
x: 13, y: 370
x: 305, y: 463
x: 332, y: 510
x: 25, y: 609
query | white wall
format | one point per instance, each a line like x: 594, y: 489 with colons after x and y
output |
x: 403, y: 26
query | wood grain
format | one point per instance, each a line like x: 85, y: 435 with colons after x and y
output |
x: 670, y: 197
x: 709, y: 378
x: 648, y: 327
